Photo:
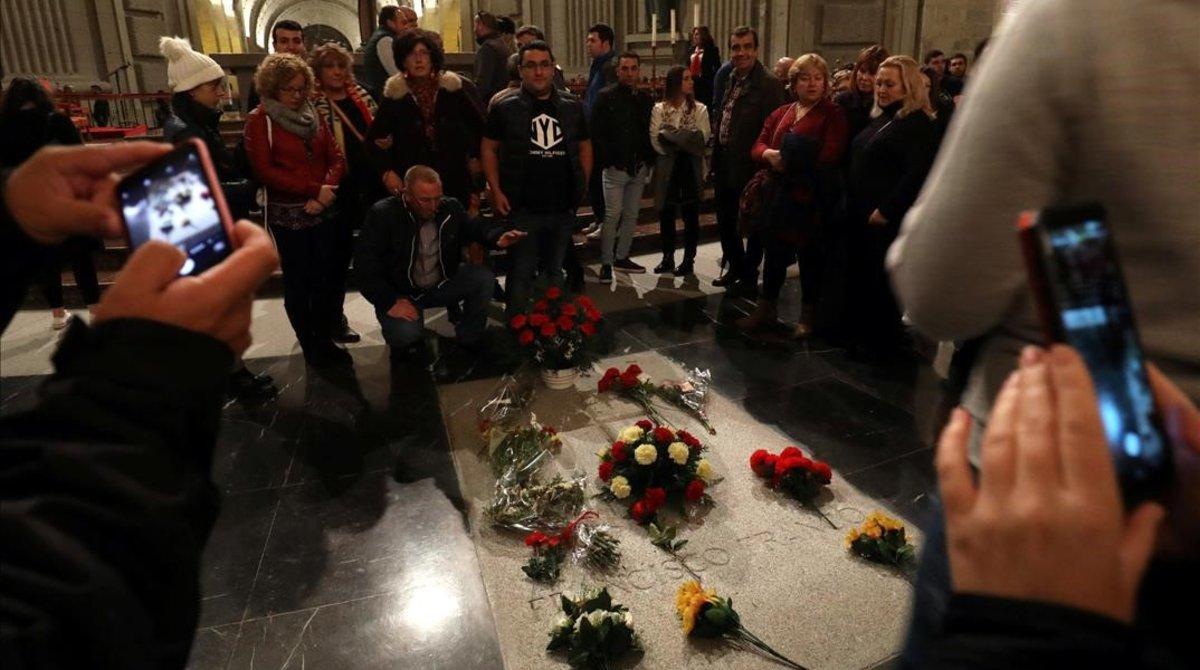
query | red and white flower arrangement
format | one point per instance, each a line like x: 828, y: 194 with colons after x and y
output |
x: 799, y: 476
x: 651, y: 464
x: 557, y: 331
x: 635, y: 385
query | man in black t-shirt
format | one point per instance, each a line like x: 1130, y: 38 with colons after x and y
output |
x: 537, y: 157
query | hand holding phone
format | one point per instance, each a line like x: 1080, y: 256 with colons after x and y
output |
x: 177, y: 199
x: 1082, y: 301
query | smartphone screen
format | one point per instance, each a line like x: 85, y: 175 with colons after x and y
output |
x: 1090, y: 309
x: 175, y: 200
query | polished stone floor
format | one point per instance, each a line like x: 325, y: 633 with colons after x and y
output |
x: 342, y: 543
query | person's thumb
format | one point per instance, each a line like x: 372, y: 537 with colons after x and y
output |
x: 154, y: 265
x: 1137, y: 546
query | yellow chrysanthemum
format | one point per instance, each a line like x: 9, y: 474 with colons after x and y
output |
x: 874, y: 532
x: 631, y: 434
x: 689, y: 600
x: 678, y: 452
x: 852, y: 536
x: 704, y: 470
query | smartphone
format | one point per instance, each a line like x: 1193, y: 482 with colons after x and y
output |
x: 1082, y: 301
x: 178, y: 199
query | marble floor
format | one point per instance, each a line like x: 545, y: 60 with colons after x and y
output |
x: 343, y: 538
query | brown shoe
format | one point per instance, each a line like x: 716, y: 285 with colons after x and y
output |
x: 804, y: 329
x: 763, y: 316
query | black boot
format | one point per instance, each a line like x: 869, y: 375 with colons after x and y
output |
x: 686, y: 268
x: 246, y: 387
x: 666, y: 266
x: 343, y: 333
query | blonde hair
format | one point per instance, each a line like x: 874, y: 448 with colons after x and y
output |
x: 327, y: 54
x: 916, y: 97
x: 808, y: 62
x: 278, y: 69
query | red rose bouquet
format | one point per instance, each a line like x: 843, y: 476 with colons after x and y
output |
x: 591, y: 544
x: 689, y: 396
x: 557, y: 331
x: 649, y: 464
x: 799, y: 476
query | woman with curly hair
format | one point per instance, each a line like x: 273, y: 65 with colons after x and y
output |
x: 430, y: 117
x: 295, y: 158
x: 348, y: 110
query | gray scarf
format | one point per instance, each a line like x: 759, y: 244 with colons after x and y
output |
x: 303, y: 122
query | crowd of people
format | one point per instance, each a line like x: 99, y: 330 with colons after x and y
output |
x: 107, y: 493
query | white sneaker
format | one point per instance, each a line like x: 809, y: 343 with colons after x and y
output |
x: 60, y: 322
x: 594, y: 235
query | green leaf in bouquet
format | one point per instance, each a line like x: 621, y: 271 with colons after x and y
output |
x: 587, y: 634
x: 568, y: 606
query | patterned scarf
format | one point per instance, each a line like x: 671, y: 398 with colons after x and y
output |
x: 736, y: 88
x: 425, y: 91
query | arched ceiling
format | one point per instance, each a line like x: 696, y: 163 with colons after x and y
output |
x: 260, y: 15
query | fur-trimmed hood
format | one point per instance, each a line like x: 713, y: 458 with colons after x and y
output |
x: 397, y: 86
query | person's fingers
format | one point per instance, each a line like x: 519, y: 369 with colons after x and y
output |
x: 1038, y: 468
x: 1137, y: 545
x: 1082, y: 445
x: 99, y: 160
x: 998, y: 449
x: 246, y: 268
x: 1031, y: 355
x: 81, y: 217
x: 954, y: 471
x: 1172, y: 402
x: 151, y: 268
x: 104, y: 194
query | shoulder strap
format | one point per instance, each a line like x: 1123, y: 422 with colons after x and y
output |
x: 346, y: 123
x: 270, y: 133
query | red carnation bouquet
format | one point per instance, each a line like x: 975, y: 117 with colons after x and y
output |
x: 800, y: 476
x: 557, y: 331
x: 650, y: 464
x: 689, y: 396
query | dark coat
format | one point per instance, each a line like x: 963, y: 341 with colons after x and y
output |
x: 621, y: 128
x: 763, y: 95
x: 189, y: 120
x: 387, y: 247
x: 602, y: 72
x: 892, y: 157
x: 26, y: 131
x: 710, y: 62
x: 491, y: 67
x: 857, y: 106
x: 457, y: 131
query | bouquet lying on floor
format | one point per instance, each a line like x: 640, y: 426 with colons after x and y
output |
x: 703, y: 613
x: 586, y: 542
x: 505, y: 410
x: 689, y: 395
x: 594, y: 632
x: 522, y: 500
x: 649, y: 465
x: 799, y: 476
x: 882, y: 539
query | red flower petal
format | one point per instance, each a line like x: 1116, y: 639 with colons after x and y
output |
x: 554, y: 293
x: 694, y: 490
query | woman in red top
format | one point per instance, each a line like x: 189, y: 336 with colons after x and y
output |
x: 295, y: 158
x: 801, y: 145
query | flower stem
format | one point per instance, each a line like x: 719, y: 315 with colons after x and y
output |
x: 814, y: 507
x: 754, y: 640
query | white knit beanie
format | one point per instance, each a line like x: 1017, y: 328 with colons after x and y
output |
x: 187, y: 69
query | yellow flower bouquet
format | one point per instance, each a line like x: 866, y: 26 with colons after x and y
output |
x: 882, y: 539
x: 703, y: 613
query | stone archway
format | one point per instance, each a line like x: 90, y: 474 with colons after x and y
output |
x: 317, y: 34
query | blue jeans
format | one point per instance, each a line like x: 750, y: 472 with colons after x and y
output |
x: 622, y: 202
x: 549, y: 236
x: 471, y: 285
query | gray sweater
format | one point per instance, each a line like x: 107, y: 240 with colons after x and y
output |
x: 1075, y: 100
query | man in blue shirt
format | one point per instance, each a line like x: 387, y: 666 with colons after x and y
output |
x: 600, y: 39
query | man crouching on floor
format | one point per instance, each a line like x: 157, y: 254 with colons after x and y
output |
x: 410, y: 258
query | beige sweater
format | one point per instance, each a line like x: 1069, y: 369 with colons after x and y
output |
x: 1075, y: 100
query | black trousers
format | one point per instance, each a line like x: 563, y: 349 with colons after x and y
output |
x: 780, y: 256
x: 78, y: 252
x: 309, y: 261
x: 690, y: 213
x: 352, y: 210
x: 727, y: 217
x: 874, y: 314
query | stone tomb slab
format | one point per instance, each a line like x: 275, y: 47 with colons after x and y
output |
x: 789, y: 574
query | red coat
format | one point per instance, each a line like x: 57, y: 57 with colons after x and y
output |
x: 292, y: 170
x: 825, y: 123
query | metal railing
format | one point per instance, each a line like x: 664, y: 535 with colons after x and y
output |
x: 105, y: 116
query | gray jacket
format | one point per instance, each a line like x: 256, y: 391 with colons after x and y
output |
x: 1074, y: 124
x: 672, y: 132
